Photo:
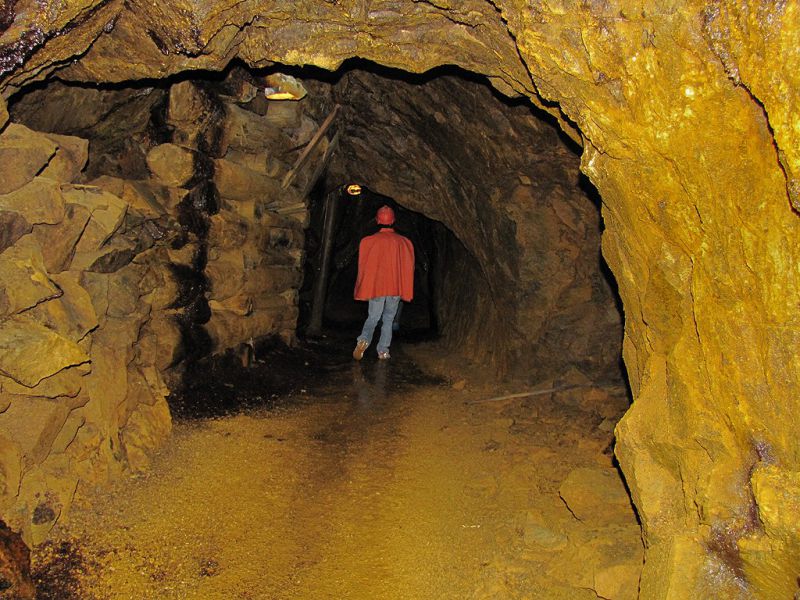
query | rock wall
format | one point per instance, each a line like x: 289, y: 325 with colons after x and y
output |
x: 109, y: 285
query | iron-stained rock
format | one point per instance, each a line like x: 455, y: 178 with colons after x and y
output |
x: 107, y: 210
x: 29, y: 352
x: 70, y: 157
x: 15, y: 566
x: 236, y: 182
x: 25, y: 277
x: 33, y: 425
x: 192, y: 112
x: 147, y: 428
x: 23, y: 154
x: 594, y: 493
x: 58, y: 241
x: 12, y: 227
x: 64, y: 384
x: 171, y: 164
x: 71, y: 314
x: 247, y: 131
x: 38, y: 201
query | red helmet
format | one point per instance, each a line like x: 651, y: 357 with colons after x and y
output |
x: 385, y: 215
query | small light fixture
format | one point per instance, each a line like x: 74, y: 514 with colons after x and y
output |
x: 283, y: 87
x: 354, y: 189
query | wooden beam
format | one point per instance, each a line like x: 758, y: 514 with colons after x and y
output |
x: 309, y: 147
x: 323, y: 162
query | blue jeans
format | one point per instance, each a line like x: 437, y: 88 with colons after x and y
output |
x: 380, y: 309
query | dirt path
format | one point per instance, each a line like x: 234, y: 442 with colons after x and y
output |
x: 374, y: 489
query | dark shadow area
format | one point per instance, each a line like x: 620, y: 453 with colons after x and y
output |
x: 273, y: 375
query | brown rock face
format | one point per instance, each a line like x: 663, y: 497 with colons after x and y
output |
x: 689, y: 124
x: 15, y: 567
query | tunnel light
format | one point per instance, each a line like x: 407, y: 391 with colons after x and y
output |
x: 354, y: 189
x: 283, y: 87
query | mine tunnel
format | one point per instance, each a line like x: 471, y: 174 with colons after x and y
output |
x: 227, y: 236
x: 591, y: 394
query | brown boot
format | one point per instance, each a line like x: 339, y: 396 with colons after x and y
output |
x: 361, y: 346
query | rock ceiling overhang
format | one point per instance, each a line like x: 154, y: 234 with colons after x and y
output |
x: 117, y: 41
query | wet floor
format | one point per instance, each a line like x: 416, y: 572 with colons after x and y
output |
x: 272, y: 375
x: 373, y: 479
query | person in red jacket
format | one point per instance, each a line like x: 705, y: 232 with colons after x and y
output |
x: 385, y: 277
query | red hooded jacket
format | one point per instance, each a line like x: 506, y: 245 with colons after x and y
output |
x: 385, y: 266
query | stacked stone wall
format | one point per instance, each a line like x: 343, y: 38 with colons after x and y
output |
x: 108, y: 287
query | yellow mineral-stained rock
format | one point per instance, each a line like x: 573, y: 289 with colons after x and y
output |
x: 147, y: 428
x: 71, y: 314
x: 39, y: 200
x: 67, y: 383
x: 33, y: 424
x: 22, y: 265
x: 70, y: 157
x: 23, y: 154
x: 58, y: 241
x: 171, y: 164
x: 29, y: 352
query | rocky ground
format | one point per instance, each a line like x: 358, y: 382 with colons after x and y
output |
x: 367, y: 480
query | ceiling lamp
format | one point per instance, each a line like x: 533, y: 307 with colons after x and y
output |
x: 283, y: 87
x: 354, y: 189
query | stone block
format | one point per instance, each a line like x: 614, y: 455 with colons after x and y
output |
x: 96, y: 285
x: 70, y: 157
x: 158, y: 343
x: 147, y: 429
x: 171, y: 164
x: 108, y: 258
x: 255, y: 161
x: 236, y: 182
x: 618, y: 582
x: 23, y: 154
x: 241, y: 305
x: 29, y: 352
x: 123, y: 292
x: 249, y: 132
x: 71, y: 314
x: 33, y: 424
x: 149, y: 199
x: 191, y: 112
x: 284, y: 114
x: 58, y: 241
x: 597, y: 494
x: 47, y: 493
x: 228, y: 230
x: 271, y: 279
x: 225, y: 275
x: 10, y: 470
x: 163, y: 294
x: 68, y: 432
x: 107, y: 214
x: 228, y: 330
x: 12, y: 227
x: 25, y: 277
x: 39, y: 201
x: 107, y: 384
x: 66, y: 383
